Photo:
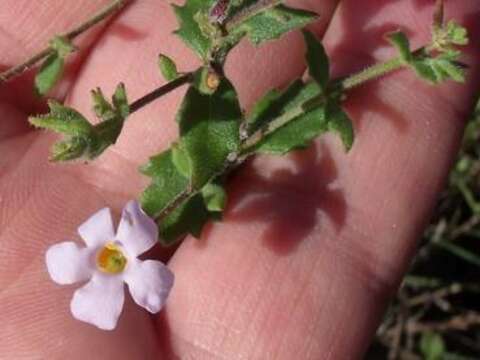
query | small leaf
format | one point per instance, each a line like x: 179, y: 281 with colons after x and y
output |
x: 402, y: 44
x: 339, y: 122
x: 72, y: 149
x: 215, y: 197
x: 271, y: 24
x: 49, y: 74
x: 102, y: 108
x: 190, y: 31
x: 432, y: 346
x: 457, y: 34
x: 62, y: 46
x: 52, y: 68
x: 84, y: 140
x: 120, y: 101
x: 168, y: 68
x: 63, y: 120
x: 444, y: 39
x: 439, y: 69
x: 317, y: 60
x: 209, y: 129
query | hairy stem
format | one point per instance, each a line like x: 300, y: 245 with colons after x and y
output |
x: 17, y: 70
x: 371, y: 73
x: 163, y: 90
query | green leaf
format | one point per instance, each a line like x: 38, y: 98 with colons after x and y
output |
x: 49, y: 74
x: 444, y: 39
x: 52, y: 68
x: 432, y: 346
x: 167, y: 183
x: 317, y: 60
x: 62, y: 46
x: 339, y: 122
x: 271, y: 24
x: 457, y: 34
x: 82, y: 139
x: 214, y: 196
x: 209, y: 130
x: 189, y: 218
x: 63, y: 120
x: 120, y: 101
x: 439, y: 69
x: 181, y: 160
x: 300, y: 131
x: 402, y: 44
x: 168, y: 68
x: 192, y: 26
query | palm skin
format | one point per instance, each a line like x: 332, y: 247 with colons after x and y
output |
x: 312, y: 245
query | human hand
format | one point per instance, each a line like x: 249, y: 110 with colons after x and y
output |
x: 312, y: 245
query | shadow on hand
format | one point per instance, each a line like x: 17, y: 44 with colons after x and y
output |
x: 289, y: 201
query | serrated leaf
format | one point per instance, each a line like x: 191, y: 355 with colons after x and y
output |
x: 432, y: 346
x: 317, y: 60
x: 209, y: 130
x: 84, y: 140
x: 214, y: 196
x: 439, y: 69
x: 167, y: 183
x: 63, y: 120
x: 340, y: 123
x: 402, y: 44
x: 190, y: 31
x: 102, y: 108
x: 271, y: 24
x: 120, y: 101
x: 168, y: 68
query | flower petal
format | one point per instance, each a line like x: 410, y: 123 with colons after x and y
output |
x: 67, y: 263
x: 100, y: 302
x: 150, y: 283
x: 98, y: 229
x: 137, y: 232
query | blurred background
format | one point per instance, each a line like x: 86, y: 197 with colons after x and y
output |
x: 436, y: 313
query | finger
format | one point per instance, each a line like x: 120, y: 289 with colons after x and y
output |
x: 25, y: 29
x: 313, y: 245
x: 60, y: 198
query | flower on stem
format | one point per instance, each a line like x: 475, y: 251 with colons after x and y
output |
x: 109, y: 260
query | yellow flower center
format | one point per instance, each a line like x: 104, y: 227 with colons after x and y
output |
x: 110, y: 259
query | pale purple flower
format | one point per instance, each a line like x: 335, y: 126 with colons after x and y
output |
x: 108, y: 261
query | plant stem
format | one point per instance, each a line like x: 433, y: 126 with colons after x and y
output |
x: 110, y: 9
x: 157, y: 93
x: 345, y: 84
x: 371, y: 73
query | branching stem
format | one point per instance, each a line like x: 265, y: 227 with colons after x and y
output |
x: 114, y: 7
x: 163, y: 90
